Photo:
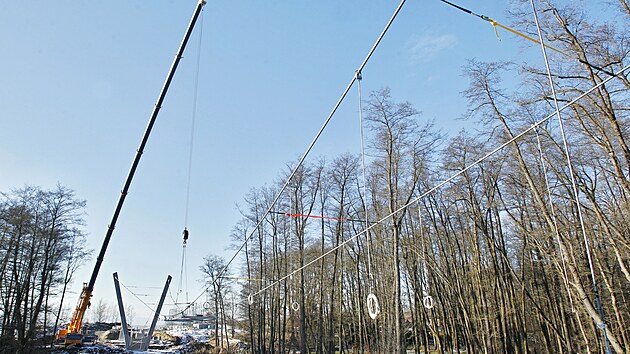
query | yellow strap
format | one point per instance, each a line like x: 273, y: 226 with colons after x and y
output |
x: 495, y: 24
x: 496, y: 32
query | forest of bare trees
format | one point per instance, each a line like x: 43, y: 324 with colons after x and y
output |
x: 41, y: 242
x: 467, y: 247
x: 526, y: 250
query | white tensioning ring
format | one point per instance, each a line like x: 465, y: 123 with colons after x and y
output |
x: 428, y: 302
x: 373, y: 307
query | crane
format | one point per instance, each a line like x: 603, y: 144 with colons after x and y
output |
x: 73, y: 335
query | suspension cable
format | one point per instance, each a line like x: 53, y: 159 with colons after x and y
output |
x: 310, y: 146
x: 600, y: 310
x: 496, y: 24
x: 447, y: 180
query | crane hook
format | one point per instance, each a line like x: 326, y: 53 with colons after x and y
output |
x: 185, y: 235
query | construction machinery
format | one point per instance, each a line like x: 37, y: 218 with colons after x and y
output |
x: 72, y: 334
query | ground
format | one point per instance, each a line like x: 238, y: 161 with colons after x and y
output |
x: 192, y: 341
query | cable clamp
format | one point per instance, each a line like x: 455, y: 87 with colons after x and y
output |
x: 601, y: 325
x: 358, y: 75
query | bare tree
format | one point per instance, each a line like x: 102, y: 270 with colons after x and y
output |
x: 214, y: 277
x: 101, y: 311
x: 130, y: 314
x: 402, y: 147
x: 37, y: 229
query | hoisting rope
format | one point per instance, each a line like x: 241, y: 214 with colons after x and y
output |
x: 193, y: 119
x: 496, y: 24
x: 576, y: 193
x: 183, y: 273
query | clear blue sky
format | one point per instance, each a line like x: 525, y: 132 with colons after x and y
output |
x: 79, y: 80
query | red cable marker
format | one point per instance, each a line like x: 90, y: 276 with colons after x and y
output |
x: 316, y: 216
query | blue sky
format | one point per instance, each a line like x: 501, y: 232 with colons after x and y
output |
x: 80, y: 79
